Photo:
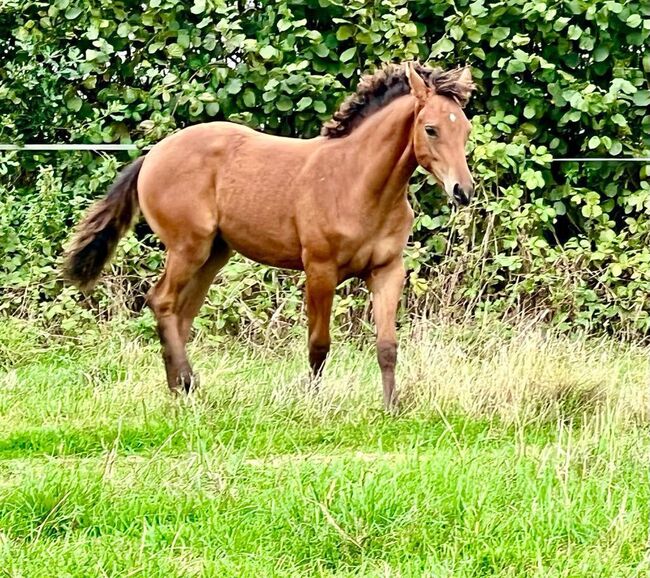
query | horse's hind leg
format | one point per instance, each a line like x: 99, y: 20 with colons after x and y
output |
x: 193, y: 296
x: 165, y: 299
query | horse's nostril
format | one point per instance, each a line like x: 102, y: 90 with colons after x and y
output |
x: 460, y: 196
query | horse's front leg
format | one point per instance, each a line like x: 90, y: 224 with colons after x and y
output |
x: 322, y: 278
x: 386, y: 284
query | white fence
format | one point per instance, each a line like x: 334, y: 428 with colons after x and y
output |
x: 132, y: 147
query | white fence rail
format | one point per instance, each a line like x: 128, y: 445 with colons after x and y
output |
x: 132, y: 147
x: 69, y: 147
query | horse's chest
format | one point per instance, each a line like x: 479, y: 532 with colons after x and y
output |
x: 375, y: 244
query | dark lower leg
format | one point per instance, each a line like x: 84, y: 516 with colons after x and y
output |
x: 387, y: 358
x: 179, y: 372
x: 321, y: 283
x: 317, y: 357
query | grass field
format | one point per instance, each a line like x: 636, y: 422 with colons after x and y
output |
x: 518, y: 454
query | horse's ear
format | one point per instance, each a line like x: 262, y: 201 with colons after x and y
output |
x: 465, y: 85
x: 466, y: 76
x: 418, y: 87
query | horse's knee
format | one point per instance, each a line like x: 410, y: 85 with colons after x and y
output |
x: 158, y: 303
x: 387, y: 355
x: 319, y: 345
x: 151, y: 299
x: 319, y: 350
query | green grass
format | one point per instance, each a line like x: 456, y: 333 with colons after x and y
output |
x: 518, y: 454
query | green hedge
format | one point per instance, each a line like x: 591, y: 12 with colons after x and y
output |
x: 567, y: 241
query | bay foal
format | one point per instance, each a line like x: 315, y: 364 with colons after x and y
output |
x: 334, y: 206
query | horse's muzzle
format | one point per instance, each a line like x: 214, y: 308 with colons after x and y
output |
x: 462, y: 196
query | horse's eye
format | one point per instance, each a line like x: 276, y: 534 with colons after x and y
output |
x: 431, y: 130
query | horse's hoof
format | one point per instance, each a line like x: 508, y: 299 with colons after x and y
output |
x: 393, y: 407
x: 187, y: 383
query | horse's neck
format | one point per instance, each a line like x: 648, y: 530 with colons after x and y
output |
x: 383, y: 150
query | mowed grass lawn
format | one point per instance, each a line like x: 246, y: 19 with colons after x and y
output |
x: 518, y: 454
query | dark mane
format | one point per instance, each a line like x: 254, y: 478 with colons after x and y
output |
x: 376, y: 90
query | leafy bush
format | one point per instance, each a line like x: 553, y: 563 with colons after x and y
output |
x: 567, y: 241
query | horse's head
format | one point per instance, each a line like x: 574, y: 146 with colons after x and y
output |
x: 441, y: 129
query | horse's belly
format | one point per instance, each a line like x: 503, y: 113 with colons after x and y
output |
x: 283, y: 260
x: 274, y: 244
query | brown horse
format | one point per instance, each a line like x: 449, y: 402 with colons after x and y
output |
x: 334, y: 206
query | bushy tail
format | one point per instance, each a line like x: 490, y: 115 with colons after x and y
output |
x: 97, y: 235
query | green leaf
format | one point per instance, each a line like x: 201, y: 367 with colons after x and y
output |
x: 284, y: 25
x: 249, y: 98
x: 442, y: 46
x: 515, y: 66
x: 601, y: 53
x: 234, y: 86
x: 196, y: 108
x: 123, y: 30
x: 74, y: 103
x: 212, y: 108
x: 304, y: 102
x: 130, y: 95
x: 529, y: 111
x: 607, y: 236
x: 284, y: 103
x: 574, y: 32
x: 586, y: 42
x: 624, y: 85
x: 348, y: 54
x: 560, y: 23
x: 594, y: 142
x: 93, y: 31
x: 346, y: 31
x: 591, y: 211
x: 456, y: 32
x: 183, y: 39
x: 646, y: 63
x: 321, y: 50
x: 641, y: 98
x: 500, y: 33
x: 154, y: 47
x: 320, y: 107
x: 616, y: 148
x: 634, y: 20
x: 521, y: 55
x: 198, y: 7
x: 174, y: 50
x: 210, y: 42
x: 410, y: 30
x: 206, y: 97
x: 73, y: 12
x: 267, y: 52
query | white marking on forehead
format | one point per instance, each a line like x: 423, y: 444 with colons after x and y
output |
x: 452, y: 117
